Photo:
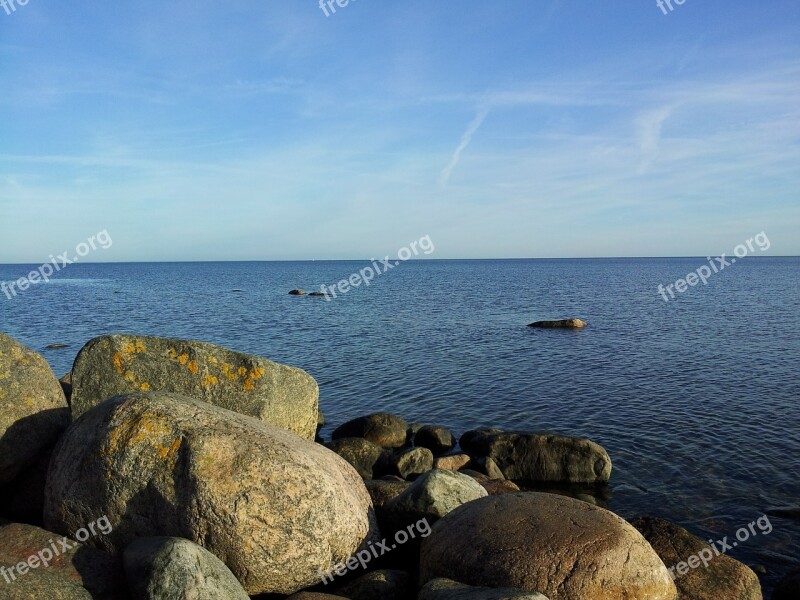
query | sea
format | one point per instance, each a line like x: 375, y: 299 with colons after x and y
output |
x: 696, y: 399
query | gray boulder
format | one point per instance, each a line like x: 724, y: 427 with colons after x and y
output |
x: 413, y: 461
x: 447, y: 589
x: 113, y: 365
x: 33, y: 408
x: 275, y: 508
x: 163, y: 568
x: 435, y: 494
x: 544, y: 457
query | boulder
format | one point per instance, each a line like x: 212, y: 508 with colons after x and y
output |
x: 436, y: 439
x: 163, y: 568
x: 788, y: 588
x: 487, y: 466
x: 383, y: 429
x: 361, y: 453
x: 113, y: 365
x: 466, y: 439
x: 275, y: 508
x: 452, y: 462
x: 562, y: 324
x: 544, y: 457
x: 554, y: 545
x: 66, y: 386
x: 413, y: 461
x: 382, y: 491
x: 718, y: 576
x: 387, y: 584
x: 433, y: 495
x: 33, y: 408
x: 447, y: 589
x: 62, y: 565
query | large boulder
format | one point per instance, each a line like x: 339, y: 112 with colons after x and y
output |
x: 447, y: 589
x: 164, y: 568
x: 384, y: 429
x: 33, y: 408
x: 699, y: 571
x: 543, y: 457
x: 57, y: 566
x: 554, y: 545
x: 113, y: 365
x: 275, y: 508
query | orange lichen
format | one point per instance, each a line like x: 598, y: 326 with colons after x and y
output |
x: 192, y: 366
x: 119, y: 362
x: 209, y: 380
x: 255, y: 374
x: 183, y: 358
x: 145, y: 387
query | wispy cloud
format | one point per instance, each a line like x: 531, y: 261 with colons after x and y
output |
x: 473, y: 127
x: 649, y: 127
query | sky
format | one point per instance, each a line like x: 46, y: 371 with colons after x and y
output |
x: 266, y: 130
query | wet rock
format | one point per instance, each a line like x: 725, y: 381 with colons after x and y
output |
x: 436, y: 439
x: 487, y: 466
x: 434, y: 495
x: 383, y: 429
x: 33, y: 408
x: 318, y: 294
x: 56, y: 346
x: 361, y: 453
x: 297, y: 293
x: 465, y: 441
x: 718, y: 576
x: 162, y: 568
x: 447, y: 589
x: 544, y: 457
x: 563, y: 324
x: 557, y: 546
x: 273, y: 507
x: 113, y: 365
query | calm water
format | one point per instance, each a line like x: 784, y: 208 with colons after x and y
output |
x: 696, y: 400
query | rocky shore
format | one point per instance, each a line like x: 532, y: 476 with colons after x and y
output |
x: 163, y: 469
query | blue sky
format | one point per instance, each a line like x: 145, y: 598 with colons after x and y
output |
x: 198, y: 130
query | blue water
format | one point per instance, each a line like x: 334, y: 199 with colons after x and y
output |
x: 696, y: 400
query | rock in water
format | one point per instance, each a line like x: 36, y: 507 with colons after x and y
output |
x: 436, y: 439
x: 557, y: 546
x: 33, y: 408
x: 543, y: 457
x: 361, y: 453
x: 113, y: 365
x: 413, y: 461
x: 297, y: 293
x: 175, y: 569
x: 719, y: 577
x: 563, y: 324
x: 434, y: 495
x: 275, y: 508
x: 384, y: 429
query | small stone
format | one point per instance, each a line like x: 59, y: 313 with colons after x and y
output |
x: 452, y: 462
x: 414, y: 461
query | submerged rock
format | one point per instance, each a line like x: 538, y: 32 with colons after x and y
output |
x: 273, y: 507
x: 163, y: 568
x: 297, y: 293
x: 557, y: 546
x: 700, y: 573
x: 112, y: 365
x: 563, y: 323
x: 33, y: 408
x: 543, y: 457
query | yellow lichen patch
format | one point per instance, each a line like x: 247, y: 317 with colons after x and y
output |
x: 183, y: 358
x: 130, y: 377
x: 242, y: 372
x: 209, y: 380
x: 255, y: 374
x: 119, y: 362
x: 145, y: 387
x: 145, y: 428
x: 192, y: 366
x: 226, y: 370
x: 139, y: 346
x: 172, y: 354
x: 169, y: 451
